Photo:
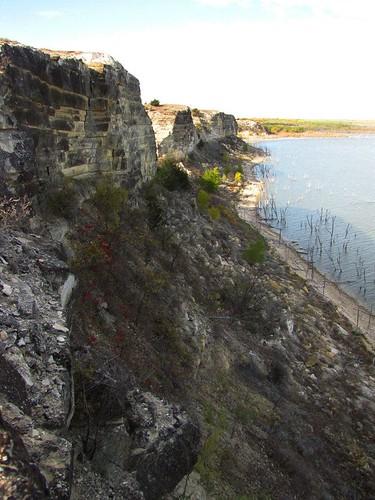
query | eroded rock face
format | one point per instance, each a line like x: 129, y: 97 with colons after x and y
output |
x: 165, y: 443
x: 184, y: 136
x: 179, y: 130
x: 35, y: 382
x: 223, y: 125
x: 139, y: 444
x: 70, y: 114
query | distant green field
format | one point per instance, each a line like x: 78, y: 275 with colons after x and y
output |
x: 299, y: 126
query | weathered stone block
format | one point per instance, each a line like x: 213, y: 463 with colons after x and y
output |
x: 53, y: 103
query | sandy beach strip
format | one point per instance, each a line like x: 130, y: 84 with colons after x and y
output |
x: 347, y: 305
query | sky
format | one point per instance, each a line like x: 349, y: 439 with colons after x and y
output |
x: 254, y: 58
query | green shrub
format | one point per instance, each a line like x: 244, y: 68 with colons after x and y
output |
x: 203, y: 199
x: 238, y: 177
x: 171, y: 176
x: 155, y: 102
x: 255, y: 253
x: 63, y: 201
x: 109, y: 200
x: 227, y: 170
x: 214, y: 212
x: 155, y: 207
x: 211, y: 179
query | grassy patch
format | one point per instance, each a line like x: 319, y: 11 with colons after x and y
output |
x: 299, y: 126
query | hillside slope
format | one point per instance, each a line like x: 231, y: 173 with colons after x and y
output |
x: 162, y: 351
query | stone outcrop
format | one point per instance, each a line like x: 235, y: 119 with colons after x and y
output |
x: 222, y: 125
x: 184, y: 136
x: 35, y: 383
x: 179, y: 130
x: 248, y: 128
x: 70, y: 114
x: 145, y: 451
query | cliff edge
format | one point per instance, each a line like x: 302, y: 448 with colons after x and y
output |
x: 69, y: 114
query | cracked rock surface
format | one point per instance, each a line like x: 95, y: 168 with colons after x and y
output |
x: 34, y: 356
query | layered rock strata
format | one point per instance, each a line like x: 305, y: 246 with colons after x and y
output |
x: 70, y: 114
x: 179, y: 130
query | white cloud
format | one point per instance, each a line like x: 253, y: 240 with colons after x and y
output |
x: 225, y: 3
x: 50, y: 14
x: 331, y: 8
x: 359, y: 9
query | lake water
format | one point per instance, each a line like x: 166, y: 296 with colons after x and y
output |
x: 320, y: 192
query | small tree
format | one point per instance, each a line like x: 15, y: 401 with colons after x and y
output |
x: 203, y: 199
x: 255, y: 253
x: 211, y: 179
x: 155, y: 102
x: 172, y: 176
x: 109, y: 200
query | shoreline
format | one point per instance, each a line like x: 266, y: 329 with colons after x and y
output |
x: 253, y: 139
x: 356, y: 312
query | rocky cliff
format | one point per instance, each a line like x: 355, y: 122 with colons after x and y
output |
x: 180, y: 130
x: 69, y: 114
x: 189, y: 362
x: 35, y: 380
x: 248, y: 128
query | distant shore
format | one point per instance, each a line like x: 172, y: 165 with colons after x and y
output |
x: 299, y: 127
x: 349, y: 306
x: 306, y: 135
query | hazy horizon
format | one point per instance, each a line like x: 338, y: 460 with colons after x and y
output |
x: 306, y: 59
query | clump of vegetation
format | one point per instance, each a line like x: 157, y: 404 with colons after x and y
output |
x: 155, y: 102
x: 214, y: 212
x: 238, y: 177
x: 63, y: 201
x: 227, y: 170
x: 233, y: 172
x: 255, y: 253
x: 92, y: 253
x: 109, y: 200
x: 172, y: 176
x: 195, y: 112
x: 211, y: 179
x: 208, y: 463
x: 13, y: 210
x: 155, y: 205
x: 203, y: 199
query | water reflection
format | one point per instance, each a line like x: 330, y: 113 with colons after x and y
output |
x: 321, y: 194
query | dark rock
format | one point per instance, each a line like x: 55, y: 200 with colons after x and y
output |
x: 35, y: 394
x: 167, y: 444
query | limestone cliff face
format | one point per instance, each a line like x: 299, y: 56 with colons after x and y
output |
x: 179, y: 130
x: 70, y: 114
x: 184, y: 136
x: 223, y: 125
